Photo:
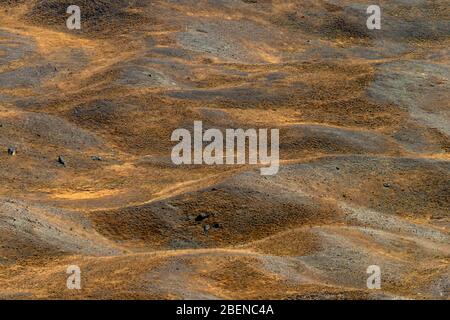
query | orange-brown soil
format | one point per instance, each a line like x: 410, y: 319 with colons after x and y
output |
x: 364, y: 145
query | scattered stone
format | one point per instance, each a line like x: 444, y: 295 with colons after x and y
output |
x: 217, y: 225
x: 96, y: 158
x: 206, y: 227
x: 337, y: 168
x: 61, y: 160
x: 12, y: 151
x: 201, y: 217
x: 386, y: 185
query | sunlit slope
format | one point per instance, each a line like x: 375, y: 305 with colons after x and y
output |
x: 364, y: 145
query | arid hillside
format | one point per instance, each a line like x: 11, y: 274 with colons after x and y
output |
x: 86, y: 118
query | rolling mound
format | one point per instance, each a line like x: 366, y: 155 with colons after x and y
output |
x: 88, y: 180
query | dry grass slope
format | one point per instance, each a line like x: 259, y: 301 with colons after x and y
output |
x: 364, y: 129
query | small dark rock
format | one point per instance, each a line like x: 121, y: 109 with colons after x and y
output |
x: 12, y: 151
x: 386, y: 185
x: 206, y: 228
x: 201, y: 217
x: 61, y: 160
x: 216, y: 225
x: 96, y: 158
x: 337, y: 168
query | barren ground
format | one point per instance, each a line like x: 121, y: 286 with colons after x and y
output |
x: 364, y: 121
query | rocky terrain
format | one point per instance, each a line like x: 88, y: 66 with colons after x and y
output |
x: 87, y: 179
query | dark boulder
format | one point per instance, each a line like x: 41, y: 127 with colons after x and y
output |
x: 201, y: 217
x: 61, y: 160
